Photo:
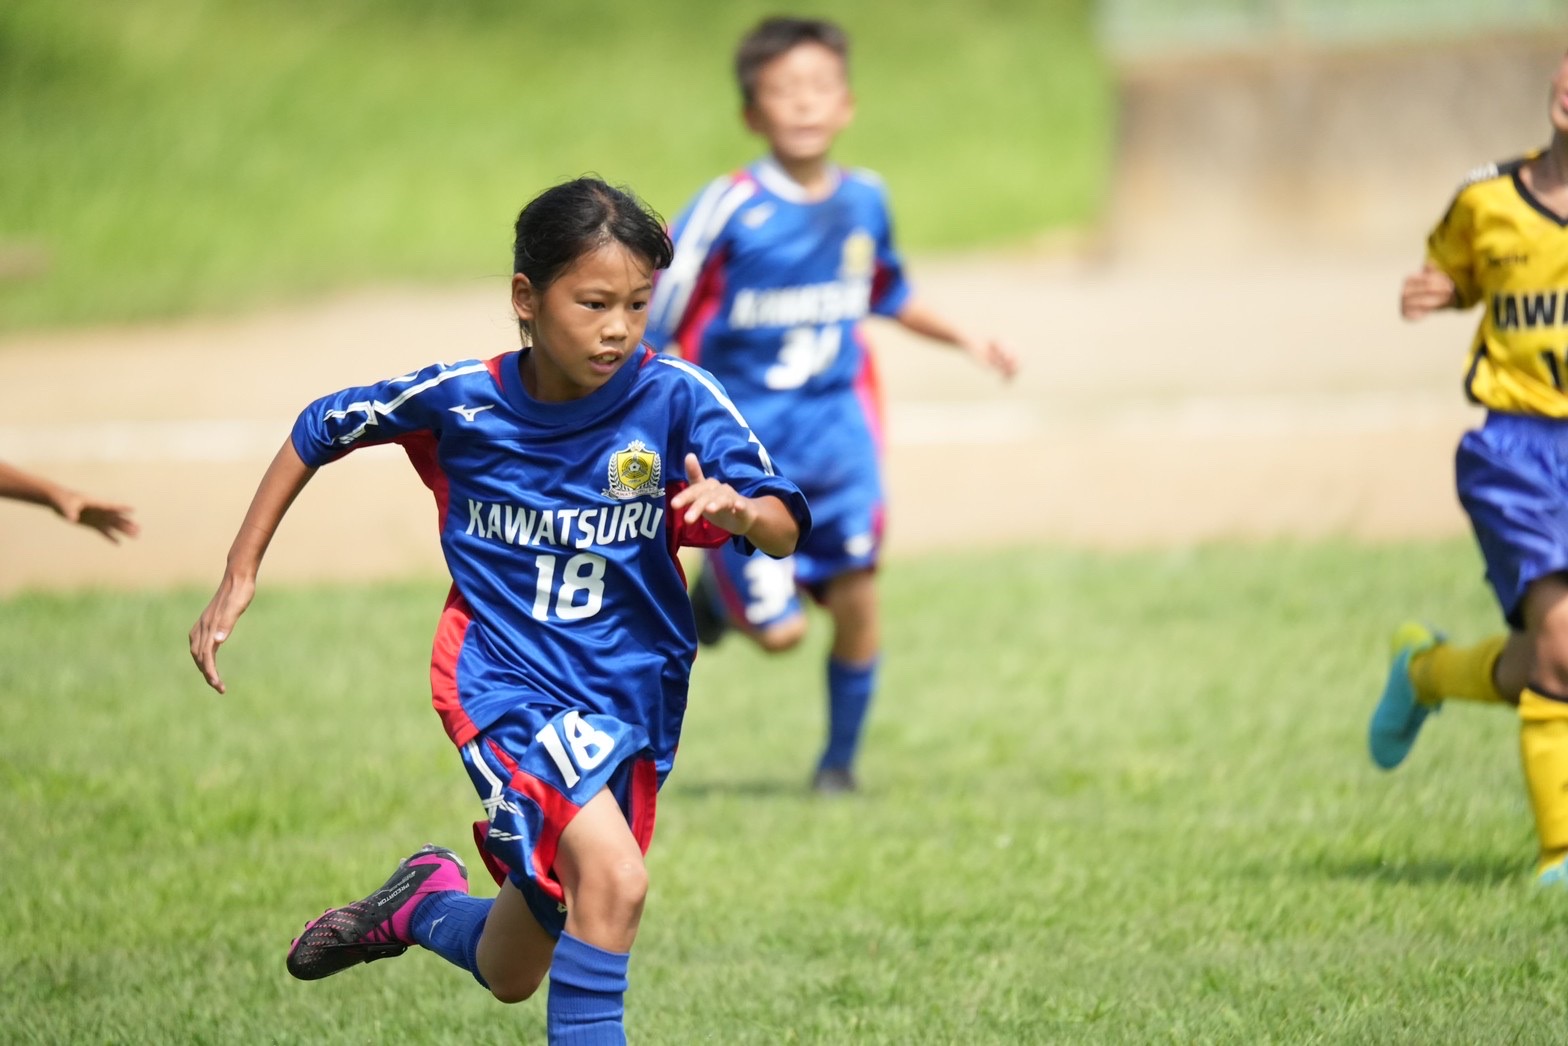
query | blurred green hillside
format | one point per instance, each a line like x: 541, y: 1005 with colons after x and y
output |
x: 167, y: 156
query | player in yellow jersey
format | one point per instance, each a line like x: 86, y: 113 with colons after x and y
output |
x: 1504, y: 245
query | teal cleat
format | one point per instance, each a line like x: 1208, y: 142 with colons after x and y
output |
x: 1398, y: 717
x: 1553, y: 876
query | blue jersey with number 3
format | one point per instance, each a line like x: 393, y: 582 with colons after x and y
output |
x: 766, y: 291
x: 555, y: 523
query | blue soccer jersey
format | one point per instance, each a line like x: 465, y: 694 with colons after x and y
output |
x: 556, y: 527
x: 767, y: 291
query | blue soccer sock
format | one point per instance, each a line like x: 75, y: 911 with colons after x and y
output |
x: 449, y: 923
x: 587, y: 995
x: 850, y: 687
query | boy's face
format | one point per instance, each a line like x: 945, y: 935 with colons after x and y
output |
x: 1558, y: 108
x: 802, y: 103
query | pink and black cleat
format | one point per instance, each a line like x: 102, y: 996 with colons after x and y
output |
x: 375, y: 927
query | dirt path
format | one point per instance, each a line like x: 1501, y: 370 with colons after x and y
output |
x: 1159, y: 404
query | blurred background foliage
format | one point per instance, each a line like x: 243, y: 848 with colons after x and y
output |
x: 1139, y: 28
x: 168, y: 156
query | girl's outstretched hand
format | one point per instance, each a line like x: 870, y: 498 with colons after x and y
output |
x: 217, y: 623
x: 716, y: 502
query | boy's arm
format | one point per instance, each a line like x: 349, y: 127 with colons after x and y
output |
x: 891, y: 296
x: 1427, y: 291
x: 916, y: 317
x: 1447, y: 278
x: 280, y: 485
x: 109, y: 519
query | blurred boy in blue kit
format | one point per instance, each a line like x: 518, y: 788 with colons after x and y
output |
x: 775, y: 266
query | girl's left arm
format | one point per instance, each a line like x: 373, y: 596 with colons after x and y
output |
x: 280, y: 485
x: 764, y: 521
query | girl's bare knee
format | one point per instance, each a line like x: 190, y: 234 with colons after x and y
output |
x: 627, y: 883
x: 518, y: 987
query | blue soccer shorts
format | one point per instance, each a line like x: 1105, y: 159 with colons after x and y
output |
x: 534, y: 773
x: 1512, y: 475
x: 758, y: 591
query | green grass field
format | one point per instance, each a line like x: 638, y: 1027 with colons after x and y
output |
x: 1110, y: 799
x: 163, y: 156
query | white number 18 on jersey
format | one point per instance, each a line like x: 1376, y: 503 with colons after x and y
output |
x: 589, y: 747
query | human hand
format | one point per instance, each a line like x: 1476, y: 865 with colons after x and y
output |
x: 1426, y: 291
x: 994, y: 354
x: 707, y: 498
x: 217, y: 623
x: 105, y: 517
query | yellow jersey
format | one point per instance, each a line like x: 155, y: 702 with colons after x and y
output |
x: 1506, y: 250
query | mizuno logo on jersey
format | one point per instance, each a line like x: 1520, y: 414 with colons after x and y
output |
x: 370, y: 412
x: 813, y: 303
x: 1529, y: 311
x: 469, y: 413
x: 754, y: 218
x: 564, y: 527
x: 635, y: 473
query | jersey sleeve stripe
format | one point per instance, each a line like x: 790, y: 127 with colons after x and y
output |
x: 372, y: 409
x: 708, y: 218
x: 707, y: 383
x: 723, y: 400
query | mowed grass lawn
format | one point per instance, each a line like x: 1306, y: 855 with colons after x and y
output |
x: 161, y: 156
x: 1109, y: 799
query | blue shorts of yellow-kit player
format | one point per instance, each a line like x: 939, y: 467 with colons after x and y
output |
x: 1512, y: 475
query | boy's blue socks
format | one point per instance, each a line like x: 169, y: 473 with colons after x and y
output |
x: 449, y: 923
x: 850, y: 687
x: 587, y: 995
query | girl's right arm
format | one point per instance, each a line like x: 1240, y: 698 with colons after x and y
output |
x: 284, y: 479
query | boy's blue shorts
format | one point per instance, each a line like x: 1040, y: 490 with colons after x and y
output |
x: 846, y: 535
x: 1512, y: 474
x: 534, y: 772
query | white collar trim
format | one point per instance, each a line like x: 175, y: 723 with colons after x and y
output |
x: 778, y: 182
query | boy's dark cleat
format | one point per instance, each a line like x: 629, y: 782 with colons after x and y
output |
x: 708, y: 610
x: 835, y: 780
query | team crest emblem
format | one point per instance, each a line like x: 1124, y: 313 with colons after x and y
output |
x: 860, y: 252
x: 635, y: 472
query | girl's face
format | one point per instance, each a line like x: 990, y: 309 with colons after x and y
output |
x: 586, y: 324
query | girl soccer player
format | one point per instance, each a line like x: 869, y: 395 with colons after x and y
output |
x: 1504, y: 243
x: 561, y: 661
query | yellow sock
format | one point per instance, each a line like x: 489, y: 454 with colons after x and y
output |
x: 1543, y: 749
x: 1464, y: 673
